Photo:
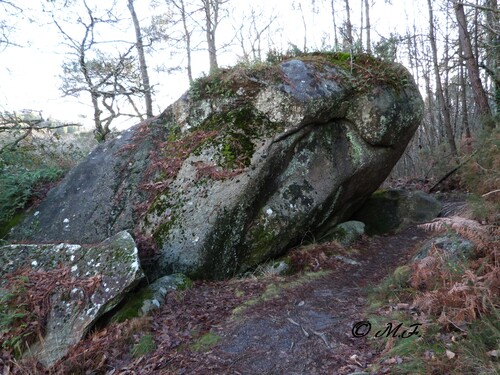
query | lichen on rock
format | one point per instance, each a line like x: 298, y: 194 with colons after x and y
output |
x: 247, y: 163
x: 94, y: 280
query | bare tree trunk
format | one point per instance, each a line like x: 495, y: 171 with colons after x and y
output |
x: 348, y: 25
x: 100, y: 130
x: 493, y: 30
x: 181, y: 7
x: 445, y: 65
x: 211, y: 8
x: 439, y: 87
x: 142, y: 60
x: 433, y: 124
x: 476, y: 32
x: 336, y: 39
x: 187, y: 35
x: 480, y: 97
x: 361, y: 25
x: 368, y: 27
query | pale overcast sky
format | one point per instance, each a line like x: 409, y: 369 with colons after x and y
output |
x: 29, y: 75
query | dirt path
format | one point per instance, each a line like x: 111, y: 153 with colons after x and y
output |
x: 307, y: 330
x: 301, y: 328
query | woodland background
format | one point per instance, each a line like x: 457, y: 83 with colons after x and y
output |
x: 124, y: 61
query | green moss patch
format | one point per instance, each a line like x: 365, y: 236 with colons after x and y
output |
x: 145, y: 346
x: 213, y: 86
x: 132, y: 307
x: 238, y: 129
x: 274, y: 290
x: 205, y: 342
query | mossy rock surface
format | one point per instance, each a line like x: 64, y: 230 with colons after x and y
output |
x: 453, y: 246
x: 243, y: 166
x: 345, y: 233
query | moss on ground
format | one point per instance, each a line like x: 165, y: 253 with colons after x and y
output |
x: 145, y: 346
x: 274, y: 290
x: 205, y: 342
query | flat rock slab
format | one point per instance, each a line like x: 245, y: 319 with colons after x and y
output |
x: 99, y: 276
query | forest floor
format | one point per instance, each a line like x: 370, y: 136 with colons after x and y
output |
x: 302, y: 323
x: 299, y: 324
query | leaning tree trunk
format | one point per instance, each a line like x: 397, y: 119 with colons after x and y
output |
x: 480, y: 97
x: 142, y: 60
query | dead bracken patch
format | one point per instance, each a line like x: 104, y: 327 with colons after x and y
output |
x: 461, y: 291
x: 28, y: 300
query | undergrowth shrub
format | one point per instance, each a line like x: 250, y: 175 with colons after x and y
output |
x: 17, y: 184
x: 459, y: 291
x: 455, y: 297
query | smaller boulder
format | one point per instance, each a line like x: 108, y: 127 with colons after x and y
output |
x: 345, y: 233
x: 455, y: 247
x: 81, y: 284
x: 392, y: 210
x: 151, y: 297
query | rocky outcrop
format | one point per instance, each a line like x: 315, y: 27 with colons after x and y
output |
x: 242, y: 166
x: 83, y: 283
x: 453, y: 246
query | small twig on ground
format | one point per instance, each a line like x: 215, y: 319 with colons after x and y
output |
x: 323, y: 337
x: 306, y: 334
x: 491, y: 192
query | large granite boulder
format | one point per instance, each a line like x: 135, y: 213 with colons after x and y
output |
x: 243, y: 166
x: 81, y: 283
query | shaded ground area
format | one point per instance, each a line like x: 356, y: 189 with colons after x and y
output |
x: 308, y: 330
x: 305, y: 328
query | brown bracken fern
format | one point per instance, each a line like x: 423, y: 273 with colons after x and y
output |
x: 454, y: 290
x: 469, y: 229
